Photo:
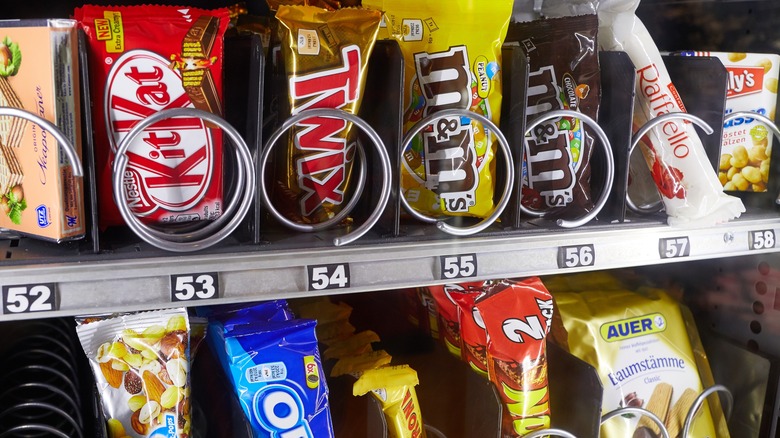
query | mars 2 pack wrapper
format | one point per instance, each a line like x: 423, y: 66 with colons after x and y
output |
x: 39, y: 73
x: 326, y: 54
x: 144, y: 59
x: 517, y: 317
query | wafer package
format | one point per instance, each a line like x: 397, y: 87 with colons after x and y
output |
x: 326, y: 54
x: 517, y: 315
x: 747, y: 144
x: 639, y: 344
x: 146, y: 59
x: 39, y: 73
x: 452, y: 60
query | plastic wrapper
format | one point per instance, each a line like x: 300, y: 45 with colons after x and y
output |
x: 146, y: 59
x: 326, y: 55
x: 447, y: 317
x: 393, y: 387
x: 142, y: 368
x: 472, y: 329
x: 563, y: 74
x: 517, y: 317
x: 277, y: 375
x: 358, y: 343
x: 638, y: 343
x: 357, y: 364
x: 452, y: 59
x: 691, y: 192
x: 747, y: 144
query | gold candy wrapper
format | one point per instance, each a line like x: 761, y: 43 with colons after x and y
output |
x: 326, y: 54
x: 393, y: 387
x: 452, y: 58
x: 358, y: 364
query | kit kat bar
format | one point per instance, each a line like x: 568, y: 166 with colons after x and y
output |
x: 200, y: 38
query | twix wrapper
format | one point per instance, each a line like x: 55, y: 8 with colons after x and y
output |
x: 517, y: 317
x: 452, y: 58
x: 326, y: 54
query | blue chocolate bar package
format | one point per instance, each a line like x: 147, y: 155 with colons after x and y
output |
x: 276, y: 371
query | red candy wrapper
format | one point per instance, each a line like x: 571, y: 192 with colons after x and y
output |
x: 472, y: 328
x: 447, y: 310
x: 517, y: 317
x: 144, y: 59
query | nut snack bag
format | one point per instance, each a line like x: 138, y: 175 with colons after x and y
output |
x: 144, y: 59
x: 747, y: 143
x: 141, y: 365
x: 39, y: 73
x: 691, y: 192
x: 517, y: 317
x: 452, y: 58
x: 393, y: 386
x: 564, y: 74
x: 277, y: 374
x: 639, y: 345
x: 326, y: 54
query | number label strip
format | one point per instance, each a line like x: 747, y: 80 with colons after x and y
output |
x: 762, y: 239
x: 576, y: 256
x: 28, y: 298
x: 331, y: 276
x: 193, y: 287
x: 457, y: 266
x: 674, y: 247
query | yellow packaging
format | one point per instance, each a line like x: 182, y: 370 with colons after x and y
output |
x: 393, y: 387
x: 639, y: 344
x: 452, y: 54
x: 356, y: 365
x: 358, y: 343
x: 326, y: 54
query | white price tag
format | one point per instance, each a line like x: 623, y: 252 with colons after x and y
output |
x: 576, y: 256
x: 191, y: 287
x: 458, y: 266
x: 333, y: 276
x: 28, y: 298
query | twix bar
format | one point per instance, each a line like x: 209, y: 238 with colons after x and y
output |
x: 326, y: 54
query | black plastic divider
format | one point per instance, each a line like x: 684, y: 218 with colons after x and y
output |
x: 575, y: 393
x: 702, y: 83
x: 515, y: 85
x: 245, y: 65
x: 382, y: 108
x: 616, y: 112
x: 88, y: 147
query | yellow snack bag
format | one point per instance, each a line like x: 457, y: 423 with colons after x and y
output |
x: 393, y: 387
x: 452, y: 54
x: 358, y: 343
x: 638, y: 342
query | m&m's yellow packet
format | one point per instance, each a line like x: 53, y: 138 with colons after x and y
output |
x: 452, y: 58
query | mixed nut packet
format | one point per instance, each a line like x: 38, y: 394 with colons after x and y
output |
x: 563, y: 74
x: 325, y: 54
x: 393, y: 387
x: 452, y: 60
x: 141, y: 366
x: 517, y: 315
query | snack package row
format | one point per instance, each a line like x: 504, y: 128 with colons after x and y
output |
x: 645, y: 348
x: 500, y: 329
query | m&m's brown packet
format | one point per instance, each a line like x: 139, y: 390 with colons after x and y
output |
x: 452, y: 58
x: 563, y: 74
x: 325, y: 54
x: 517, y: 317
